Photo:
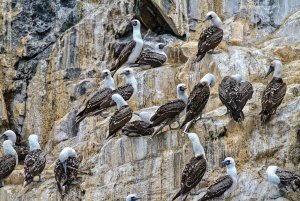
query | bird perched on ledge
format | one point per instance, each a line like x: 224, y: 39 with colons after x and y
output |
x: 34, y: 162
x: 194, y: 170
x: 132, y: 197
x: 66, y: 169
x: 169, y: 112
x: 132, y: 50
x: 234, y: 94
x: 138, y: 127
x: 282, y: 178
x: 154, y: 58
x: 274, y: 92
x: 22, y: 151
x: 8, y: 162
x: 211, y: 37
x: 198, y: 99
x: 100, y: 100
x: 120, y: 117
x: 225, y: 184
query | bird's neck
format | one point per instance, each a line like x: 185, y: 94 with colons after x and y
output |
x: 34, y: 146
x: 217, y: 22
x: 232, y: 172
x: 146, y: 118
x: 183, y: 96
x: 132, y: 81
x: 109, y: 83
x: 198, y: 149
x: 277, y: 72
x: 137, y: 35
x: 121, y: 103
x: 10, y: 151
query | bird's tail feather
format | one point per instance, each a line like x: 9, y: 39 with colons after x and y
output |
x: 265, y: 117
x: 199, y: 57
x: 238, y: 116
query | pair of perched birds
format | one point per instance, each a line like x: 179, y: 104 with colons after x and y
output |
x: 65, y: 170
x: 132, y: 53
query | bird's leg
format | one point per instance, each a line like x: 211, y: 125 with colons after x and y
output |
x: 159, y: 129
x: 40, y: 180
x: 1, y: 183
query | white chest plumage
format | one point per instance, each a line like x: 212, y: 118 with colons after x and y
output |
x: 136, y: 51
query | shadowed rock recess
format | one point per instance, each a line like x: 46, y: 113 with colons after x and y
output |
x: 51, y: 57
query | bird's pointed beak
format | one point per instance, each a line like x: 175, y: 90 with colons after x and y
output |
x: 136, y: 113
x: 271, y: 69
x: 138, y: 198
x: 223, y: 162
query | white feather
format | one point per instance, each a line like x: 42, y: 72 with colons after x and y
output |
x: 33, y: 141
x: 119, y: 100
x: 11, y: 136
x: 66, y: 153
x: 271, y: 174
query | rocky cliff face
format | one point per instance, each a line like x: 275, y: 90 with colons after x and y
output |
x: 51, y: 56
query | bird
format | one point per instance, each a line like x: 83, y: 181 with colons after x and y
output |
x: 169, y: 112
x: 34, y: 162
x: 154, y: 58
x: 234, y: 94
x: 198, y: 99
x: 129, y: 89
x: 282, y: 178
x: 66, y: 169
x: 132, y: 197
x: 101, y: 100
x: 120, y: 117
x: 132, y: 50
x: 224, y: 185
x: 274, y: 92
x: 8, y: 161
x: 138, y: 127
x: 194, y: 170
x: 20, y: 149
x: 211, y: 37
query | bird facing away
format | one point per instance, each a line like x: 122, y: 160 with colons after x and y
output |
x: 132, y: 197
x: 194, y: 170
x: 22, y: 151
x: 169, y: 112
x: 211, y: 37
x: 282, y: 178
x: 66, y: 169
x: 8, y: 162
x: 132, y: 50
x: 130, y: 88
x: 154, y: 58
x: 234, y: 94
x: 225, y: 184
x: 198, y: 99
x: 274, y: 92
x: 100, y: 100
x: 34, y: 162
x: 120, y: 117
x: 138, y: 127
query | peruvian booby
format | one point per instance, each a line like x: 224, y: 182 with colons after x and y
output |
x: 198, y: 99
x: 8, y: 162
x: 34, y: 162
x: 132, y: 50
x: 274, y: 92
x: 211, y: 37
x: 169, y: 112
x: 154, y: 58
x: 120, y: 117
x: 282, y: 178
x: 138, y: 127
x: 22, y: 151
x: 100, y: 100
x: 132, y: 197
x: 194, y: 170
x: 225, y: 184
x: 66, y: 169
x: 130, y: 88
x: 234, y: 94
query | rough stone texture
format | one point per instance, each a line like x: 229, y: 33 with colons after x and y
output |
x: 51, y: 56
